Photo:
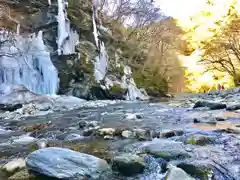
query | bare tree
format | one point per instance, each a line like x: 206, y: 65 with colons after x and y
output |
x: 132, y: 13
x: 223, y: 52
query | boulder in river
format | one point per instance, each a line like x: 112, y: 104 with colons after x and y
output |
x: 171, y: 133
x: 128, y: 164
x: 64, y: 163
x: 198, y: 140
x: 233, y: 107
x: 166, y: 149
x: 197, y: 169
x: 175, y: 173
x: 210, y: 105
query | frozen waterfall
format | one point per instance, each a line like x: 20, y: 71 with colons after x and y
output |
x: 25, y: 60
x: 129, y: 83
x: 67, y: 37
x: 101, y: 61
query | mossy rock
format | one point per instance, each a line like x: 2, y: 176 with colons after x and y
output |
x: 198, y: 140
x: 117, y: 89
x: 199, y: 172
x: 80, y: 13
x: 88, y: 48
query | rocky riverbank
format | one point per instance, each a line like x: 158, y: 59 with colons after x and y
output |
x: 188, y: 137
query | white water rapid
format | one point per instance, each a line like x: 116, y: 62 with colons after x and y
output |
x: 67, y: 37
x: 26, y: 61
x: 129, y: 83
x: 101, y: 61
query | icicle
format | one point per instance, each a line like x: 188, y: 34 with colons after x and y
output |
x: 49, y: 2
x: 67, y: 38
x: 18, y: 29
x: 95, y: 31
x: 28, y: 63
x: 62, y: 34
x: 101, y: 61
x: 49, y: 83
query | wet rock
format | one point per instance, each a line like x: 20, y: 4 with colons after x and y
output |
x: 175, y: 173
x: 198, y: 140
x: 155, y: 134
x: 107, y: 137
x: 130, y: 116
x: 42, y: 143
x: 221, y: 118
x: 118, y: 131
x: 141, y: 134
x: 64, y: 163
x: 210, y: 105
x: 72, y: 137
x: 90, y: 131
x: 206, y: 120
x: 139, y: 116
x: 23, y: 140
x: 171, y: 133
x: 234, y: 130
x: 127, y: 134
x: 196, y: 170
x: 106, y: 131
x: 14, y: 165
x: 233, y: 107
x: 21, y: 175
x: 84, y: 124
x: 10, y: 107
x: 166, y: 149
x: 128, y: 164
x: 195, y: 120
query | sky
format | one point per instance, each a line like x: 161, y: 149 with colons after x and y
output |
x: 179, y: 9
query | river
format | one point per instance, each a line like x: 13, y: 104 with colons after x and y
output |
x: 210, y: 137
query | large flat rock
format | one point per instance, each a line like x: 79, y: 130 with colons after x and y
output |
x: 64, y: 163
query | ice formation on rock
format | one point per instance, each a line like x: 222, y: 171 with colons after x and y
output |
x: 26, y: 61
x: 67, y: 37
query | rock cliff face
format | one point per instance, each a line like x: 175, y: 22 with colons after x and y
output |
x: 85, y: 54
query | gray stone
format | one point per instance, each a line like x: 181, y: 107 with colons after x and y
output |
x: 21, y: 175
x: 171, y: 133
x: 210, y: 105
x: 66, y: 164
x: 198, y: 140
x: 14, y: 165
x: 175, y: 173
x: 233, y: 107
x: 42, y: 143
x: 106, y: 131
x: 107, y: 137
x: 141, y: 134
x: 128, y: 164
x: 166, y: 149
x: 127, y: 134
